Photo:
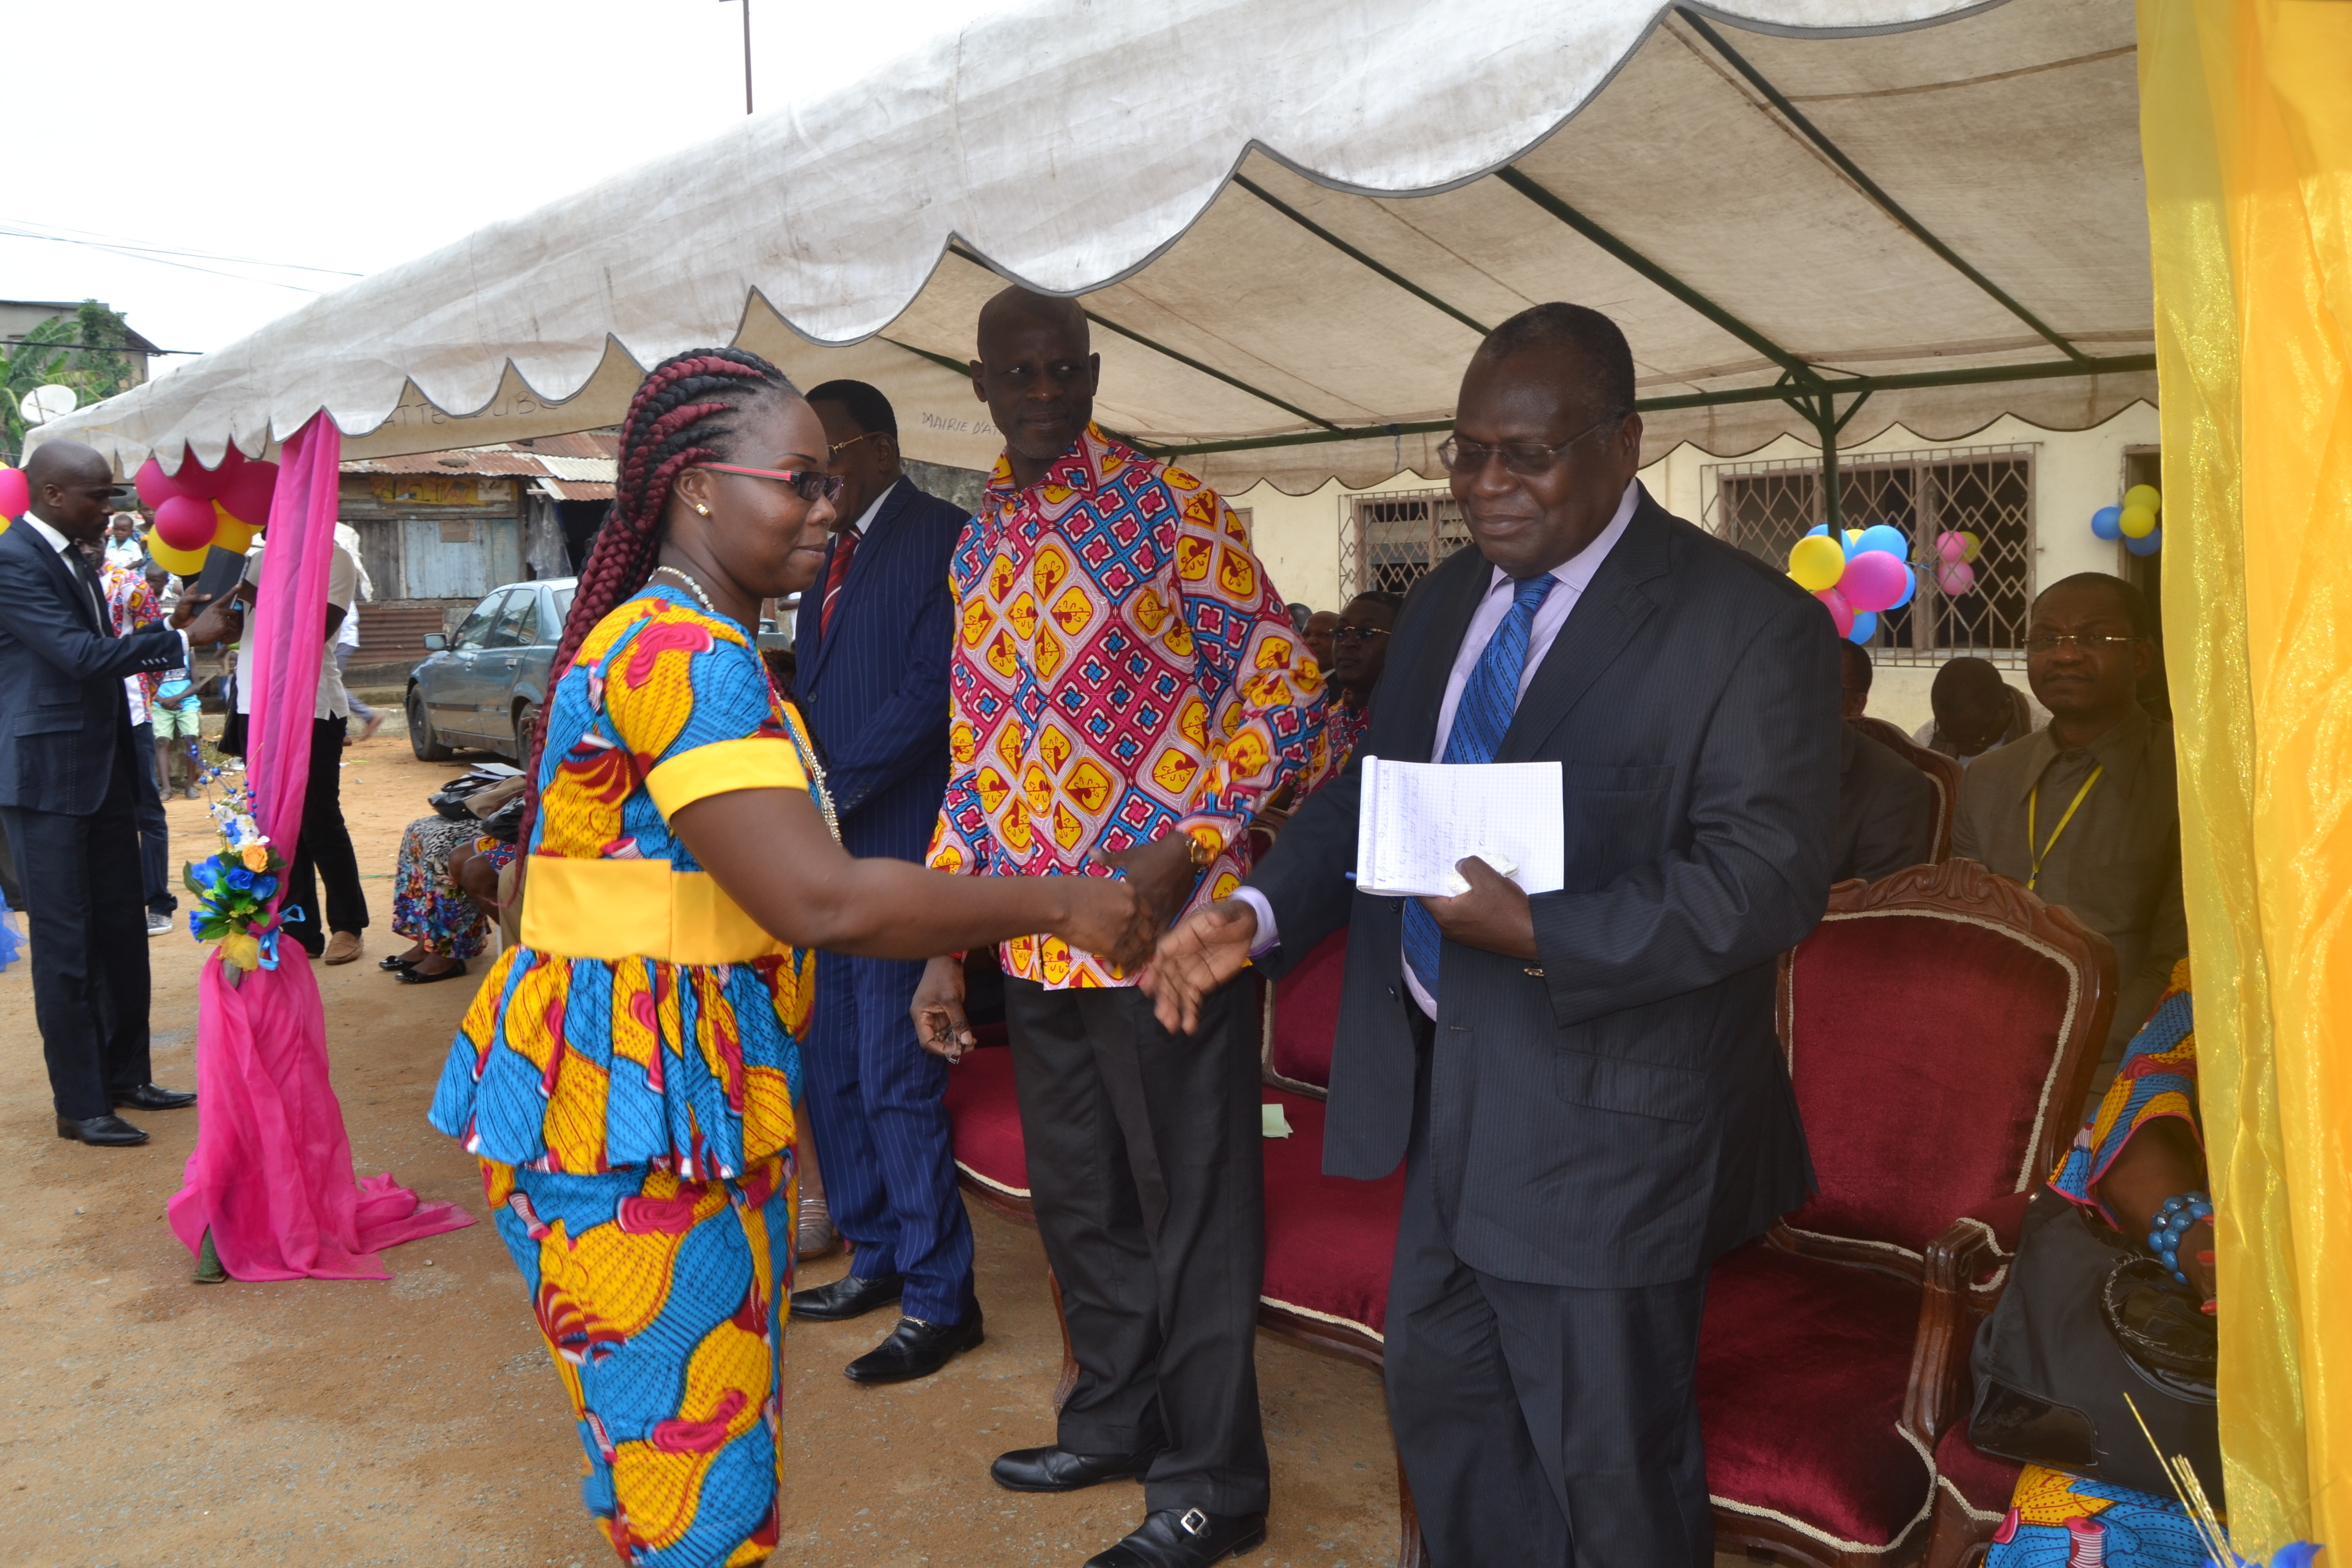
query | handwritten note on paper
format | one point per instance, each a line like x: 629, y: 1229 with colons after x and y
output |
x: 1416, y: 819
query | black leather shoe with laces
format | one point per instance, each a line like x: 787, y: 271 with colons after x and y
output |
x: 1057, y: 1469
x: 847, y: 1297
x: 1184, y: 1538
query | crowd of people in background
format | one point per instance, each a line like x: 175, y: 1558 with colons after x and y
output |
x: 1065, y: 705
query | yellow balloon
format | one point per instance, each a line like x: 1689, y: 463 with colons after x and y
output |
x: 179, y: 563
x: 1816, y: 563
x: 2146, y: 497
x: 1975, y: 545
x: 2138, y: 522
x: 234, y: 535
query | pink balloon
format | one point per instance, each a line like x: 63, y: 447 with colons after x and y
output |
x: 247, y: 494
x: 1840, y: 611
x: 183, y: 522
x: 16, y: 495
x: 194, y: 480
x: 1874, y: 581
x: 155, y: 486
x: 1951, y: 546
x: 1956, y: 577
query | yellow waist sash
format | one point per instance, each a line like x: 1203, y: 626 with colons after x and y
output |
x: 636, y: 908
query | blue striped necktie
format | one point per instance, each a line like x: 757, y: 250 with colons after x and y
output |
x: 1488, y: 699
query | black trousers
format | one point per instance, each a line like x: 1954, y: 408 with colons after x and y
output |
x: 154, y: 828
x: 1541, y: 1425
x: 324, y: 853
x: 1149, y: 1188
x: 89, y: 934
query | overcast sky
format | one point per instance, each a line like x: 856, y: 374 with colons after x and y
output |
x: 350, y: 137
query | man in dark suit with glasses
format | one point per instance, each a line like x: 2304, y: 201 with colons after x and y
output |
x: 69, y: 769
x: 1583, y: 1085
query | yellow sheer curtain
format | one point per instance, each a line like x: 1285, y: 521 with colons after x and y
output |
x: 2246, y: 126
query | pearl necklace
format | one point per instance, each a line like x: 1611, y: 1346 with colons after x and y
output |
x: 692, y: 587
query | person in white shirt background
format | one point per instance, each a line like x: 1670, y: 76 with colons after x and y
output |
x: 324, y: 853
x: 347, y: 641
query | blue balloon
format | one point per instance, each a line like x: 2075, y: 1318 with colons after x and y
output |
x: 1879, y: 536
x: 2107, y: 523
x: 2149, y: 545
x: 1865, y: 627
x: 1910, y: 586
x: 1819, y: 530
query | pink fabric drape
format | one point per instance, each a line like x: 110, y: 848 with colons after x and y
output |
x: 272, y: 1174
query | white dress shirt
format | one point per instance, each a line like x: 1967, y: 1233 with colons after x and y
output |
x: 60, y: 543
x: 1571, y: 577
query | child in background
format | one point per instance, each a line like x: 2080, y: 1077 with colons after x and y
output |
x: 178, y: 714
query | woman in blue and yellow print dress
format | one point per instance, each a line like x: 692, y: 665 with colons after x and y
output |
x: 627, y: 1073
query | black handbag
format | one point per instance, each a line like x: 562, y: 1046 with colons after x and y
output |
x: 2086, y: 1320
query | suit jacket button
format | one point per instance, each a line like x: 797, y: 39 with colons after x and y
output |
x: 1535, y: 973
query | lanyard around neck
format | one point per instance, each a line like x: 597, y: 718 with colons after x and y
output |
x: 2034, y: 800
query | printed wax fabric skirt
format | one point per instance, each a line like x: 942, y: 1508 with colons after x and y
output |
x: 428, y: 907
x: 662, y: 1302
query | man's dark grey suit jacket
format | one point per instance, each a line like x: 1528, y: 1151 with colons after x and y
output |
x: 1623, y: 1116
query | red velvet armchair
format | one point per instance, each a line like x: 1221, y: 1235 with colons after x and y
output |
x: 1944, y: 777
x: 1941, y: 1029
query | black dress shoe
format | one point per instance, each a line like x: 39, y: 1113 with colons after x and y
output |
x: 147, y: 1097
x: 1184, y: 1538
x: 105, y: 1132
x: 1057, y: 1469
x: 915, y: 1349
x: 847, y: 1297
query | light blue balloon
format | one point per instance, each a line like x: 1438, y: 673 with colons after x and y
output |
x: 1865, y: 627
x: 2107, y: 523
x: 1819, y: 530
x: 1910, y: 586
x: 2149, y: 545
x: 1879, y: 536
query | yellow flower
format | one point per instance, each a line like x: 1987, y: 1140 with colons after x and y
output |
x: 242, y: 949
x: 257, y: 858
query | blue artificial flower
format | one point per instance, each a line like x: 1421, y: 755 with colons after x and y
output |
x: 264, y: 888
x: 240, y: 878
x: 196, y: 923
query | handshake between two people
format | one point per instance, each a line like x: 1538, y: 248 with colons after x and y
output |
x: 1205, y: 950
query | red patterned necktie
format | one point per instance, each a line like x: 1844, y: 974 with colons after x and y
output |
x: 844, y: 547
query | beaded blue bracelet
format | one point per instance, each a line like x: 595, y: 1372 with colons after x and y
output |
x: 2178, y: 1215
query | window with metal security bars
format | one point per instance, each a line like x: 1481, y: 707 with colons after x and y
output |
x: 1765, y: 508
x: 1389, y: 540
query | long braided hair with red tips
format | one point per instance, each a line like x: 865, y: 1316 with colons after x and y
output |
x: 681, y: 415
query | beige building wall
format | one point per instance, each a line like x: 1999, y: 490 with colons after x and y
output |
x: 2075, y: 473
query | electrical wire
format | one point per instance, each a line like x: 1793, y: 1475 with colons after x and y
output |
x: 165, y: 256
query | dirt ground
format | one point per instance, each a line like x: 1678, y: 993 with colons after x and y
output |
x: 150, y: 1420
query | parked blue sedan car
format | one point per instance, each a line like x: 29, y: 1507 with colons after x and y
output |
x: 481, y: 686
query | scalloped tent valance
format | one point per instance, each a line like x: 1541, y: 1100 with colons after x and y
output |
x: 1292, y: 220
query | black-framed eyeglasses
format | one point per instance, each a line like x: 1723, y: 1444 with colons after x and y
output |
x: 1524, y: 458
x: 2089, y: 642
x: 1344, y: 633
x: 811, y: 485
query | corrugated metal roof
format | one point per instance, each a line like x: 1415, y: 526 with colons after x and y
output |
x: 587, y: 460
x: 576, y: 489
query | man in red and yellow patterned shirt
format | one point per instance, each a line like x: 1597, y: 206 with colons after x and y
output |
x: 1126, y: 688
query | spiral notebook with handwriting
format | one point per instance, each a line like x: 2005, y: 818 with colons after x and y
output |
x: 1416, y: 819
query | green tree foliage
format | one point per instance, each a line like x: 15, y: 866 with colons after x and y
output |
x: 83, y: 351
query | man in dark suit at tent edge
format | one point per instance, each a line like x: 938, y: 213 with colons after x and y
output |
x: 871, y: 676
x: 69, y: 783
x: 1584, y: 1086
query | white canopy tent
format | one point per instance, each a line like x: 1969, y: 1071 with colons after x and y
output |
x: 1291, y: 220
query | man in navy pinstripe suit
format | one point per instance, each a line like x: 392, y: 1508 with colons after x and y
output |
x: 1584, y: 1086
x: 872, y: 679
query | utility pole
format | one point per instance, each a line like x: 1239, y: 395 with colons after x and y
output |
x: 747, y: 51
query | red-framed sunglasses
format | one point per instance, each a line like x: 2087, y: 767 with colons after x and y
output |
x: 808, y: 481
